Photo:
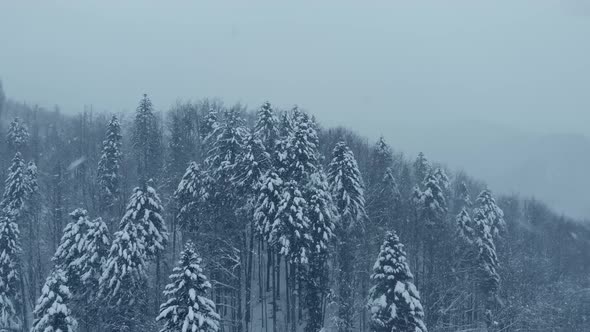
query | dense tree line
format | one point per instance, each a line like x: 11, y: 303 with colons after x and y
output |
x: 264, y: 221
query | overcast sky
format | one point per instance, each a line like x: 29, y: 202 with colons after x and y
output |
x: 393, y: 67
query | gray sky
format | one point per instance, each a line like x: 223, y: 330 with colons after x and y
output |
x: 392, y: 67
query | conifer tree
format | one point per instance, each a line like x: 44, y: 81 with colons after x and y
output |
x: 381, y: 161
x: 269, y: 199
x: 347, y: 187
x: 251, y: 165
x: 16, y: 189
x: 209, y: 125
x: 434, y: 202
x: 347, y: 190
x: 188, y: 307
x: 123, y: 280
x: 10, y: 282
x: 266, y: 128
x: 18, y: 135
x: 302, y: 151
x: 190, y: 196
x: 322, y: 217
x: 52, y: 312
x: 290, y: 230
x: 465, y: 226
x: 487, y: 260
x: 108, y: 171
x: 71, y: 248
x: 147, y: 140
x: 94, y: 254
x: 463, y: 195
x: 492, y: 212
x: 422, y: 168
x: 145, y: 210
x: 394, y: 301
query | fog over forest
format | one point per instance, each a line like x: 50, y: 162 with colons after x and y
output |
x: 310, y: 166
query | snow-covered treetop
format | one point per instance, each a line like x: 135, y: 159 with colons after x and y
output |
x: 209, y: 125
x: 442, y: 178
x: 94, y: 253
x: 190, y: 194
x: 226, y: 142
x: 394, y: 301
x: 489, y: 279
x: 17, y: 187
x: 321, y: 211
x: 267, y: 126
x: 422, y: 167
x: 71, y: 246
x: 464, y: 195
x: 145, y: 210
x: 251, y: 165
x: 435, y: 205
x: 52, y: 312
x: 465, y: 226
x: 267, y: 204
x: 302, y: 149
x: 18, y: 135
x: 10, y: 267
x: 346, y: 185
x: 492, y: 212
x: 188, y: 309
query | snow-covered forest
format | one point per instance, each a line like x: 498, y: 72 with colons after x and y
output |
x: 208, y: 217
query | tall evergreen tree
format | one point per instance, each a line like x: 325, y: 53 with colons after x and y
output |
x: 492, y: 212
x: 422, y: 168
x: 251, y: 165
x: 10, y: 276
x: 188, y: 307
x: 108, y: 171
x: 71, y: 248
x: 266, y: 128
x: 18, y: 135
x: 94, y: 254
x: 268, y: 202
x: 147, y: 140
x: 123, y: 281
x: 191, y: 196
x: 322, y: 217
x: 394, y: 301
x: 17, y: 188
x: 145, y: 210
x: 434, y: 203
x: 52, y: 312
x: 347, y: 190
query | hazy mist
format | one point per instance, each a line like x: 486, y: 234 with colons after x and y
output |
x: 501, y: 88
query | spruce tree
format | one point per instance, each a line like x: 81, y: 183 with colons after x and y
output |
x: 10, y: 276
x: 487, y: 260
x: 266, y: 128
x: 465, y: 226
x: 209, y: 125
x: 492, y: 212
x: 145, y: 210
x: 94, y: 254
x: 147, y: 140
x: 422, y: 168
x: 290, y: 230
x: 18, y: 135
x: 108, y: 171
x: 191, y: 195
x: 16, y: 189
x: 269, y: 199
x: 52, y: 312
x: 347, y: 190
x: 71, y: 248
x: 434, y: 203
x: 251, y: 165
x: 302, y: 150
x: 188, y: 307
x: 381, y: 161
x: 394, y: 301
x: 322, y: 217
x: 123, y: 281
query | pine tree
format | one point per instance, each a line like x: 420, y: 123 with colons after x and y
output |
x: 52, y: 312
x: 209, y: 125
x: 268, y: 202
x: 266, y: 128
x: 434, y: 202
x: 302, y: 150
x: 290, y: 230
x: 394, y: 301
x: 108, y: 171
x: 465, y: 226
x: 10, y: 282
x: 188, y: 307
x: 422, y: 168
x: 251, y: 165
x: 381, y: 161
x: 487, y: 260
x: 191, y: 196
x: 94, y: 254
x: 18, y: 135
x: 147, y: 140
x: 347, y: 190
x: 145, y: 210
x: 71, y: 248
x: 346, y: 185
x: 123, y: 281
x: 17, y: 188
x: 492, y: 212
x: 463, y: 195
x: 322, y: 217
